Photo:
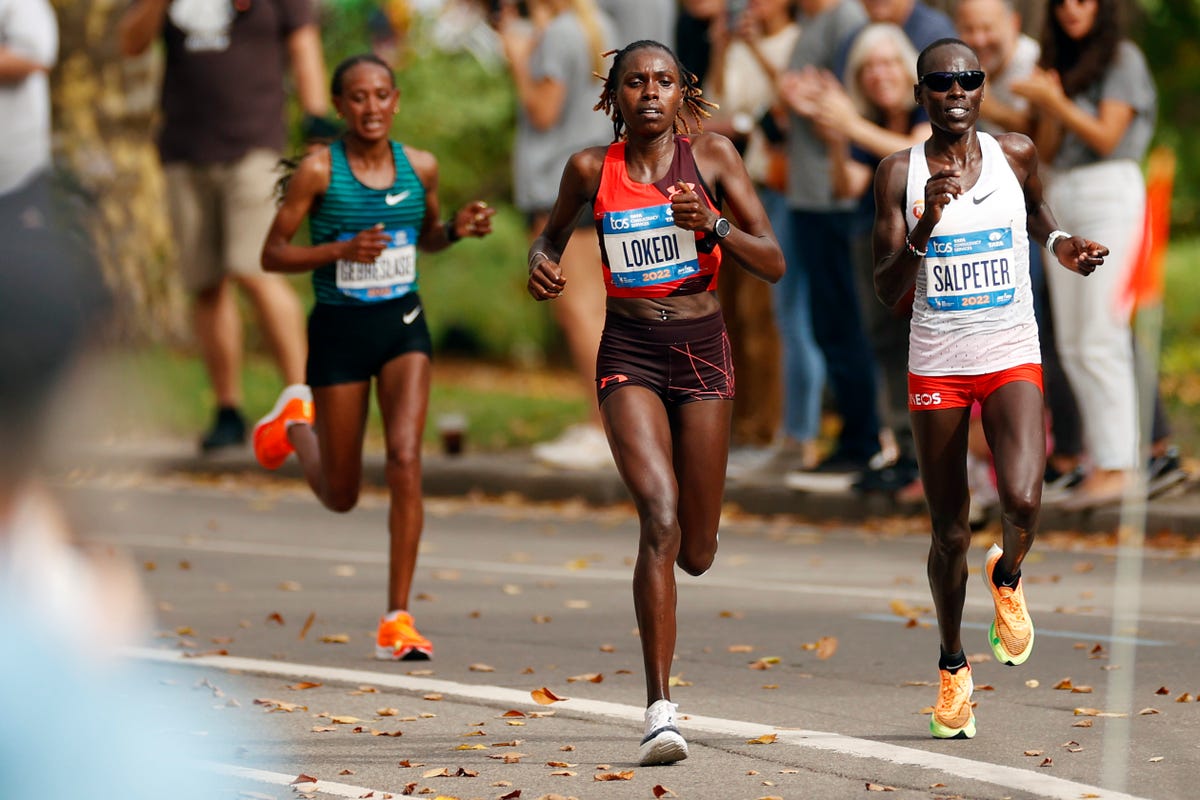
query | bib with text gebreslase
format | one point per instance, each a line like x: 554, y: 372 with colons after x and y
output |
x: 645, y: 247
x: 389, y: 276
x: 970, y: 270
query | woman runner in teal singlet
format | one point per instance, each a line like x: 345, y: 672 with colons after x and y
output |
x: 371, y: 203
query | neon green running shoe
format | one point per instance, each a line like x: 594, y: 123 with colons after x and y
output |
x: 952, y: 717
x: 1011, y: 633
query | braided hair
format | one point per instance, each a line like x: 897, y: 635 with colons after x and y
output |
x: 693, y: 101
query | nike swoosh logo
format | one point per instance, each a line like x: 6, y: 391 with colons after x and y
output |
x: 979, y: 200
x: 411, y: 315
x: 392, y: 199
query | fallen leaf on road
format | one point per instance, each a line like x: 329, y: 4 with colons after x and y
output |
x: 279, y: 705
x: 345, y: 720
x: 1184, y: 698
x: 275, y: 617
x: 1155, y: 759
x: 875, y: 787
x: 1162, y: 690
x: 1033, y: 752
x: 1146, y: 711
x: 766, y: 738
x: 481, y: 668
x: 472, y: 747
x: 565, y: 773
x: 1083, y: 723
x: 545, y: 697
x: 302, y: 778
x: 624, y: 775
x: 741, y: 648
x: 1032, y: 683
x: 323, y: 728
x: 433, y: 698
x: 302, y: 685
x: 513, y: 713
x: 1046, y: 762
x: 436, y: 773
x: 387, y: 712
x: 308, y: 623
x: 336, y: 638
x: 560, y: 764
x: 661, y: 791
x: 1064, y: 684
x: 590, y: 677
x: 677, y: 680
x: 731, y: 615
x: 289, y: 586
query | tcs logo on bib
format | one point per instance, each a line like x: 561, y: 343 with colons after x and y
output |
x: 925, y: 399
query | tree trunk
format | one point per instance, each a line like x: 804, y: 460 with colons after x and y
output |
x: 104, y: 109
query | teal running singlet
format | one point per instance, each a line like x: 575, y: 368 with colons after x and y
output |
x: 348, y: 207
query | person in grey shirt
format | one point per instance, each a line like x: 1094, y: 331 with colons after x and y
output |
x: 641, y: 19
x: 821, y: 230
x: 1095, y: 103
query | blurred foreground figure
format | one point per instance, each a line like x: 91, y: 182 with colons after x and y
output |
x: 64, y: 613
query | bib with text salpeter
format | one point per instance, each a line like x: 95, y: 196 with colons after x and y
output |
x: 645, y: 247
x: 965, y: 271
x: 390, y: 275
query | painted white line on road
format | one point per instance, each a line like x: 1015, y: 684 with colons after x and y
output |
x: 279, y: 779
x: 929, y: 621
x: 341, y: 556
x: 1025, y: 780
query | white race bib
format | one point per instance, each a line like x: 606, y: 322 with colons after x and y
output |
x: 965, y: 271
x: 391, y: 275
x: 645, y: 247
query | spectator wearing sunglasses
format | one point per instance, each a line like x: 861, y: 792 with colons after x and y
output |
x: 1095, y: 104
x: 954, y: 217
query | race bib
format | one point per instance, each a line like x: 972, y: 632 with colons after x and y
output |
x: 645, y: 247
x: 965, y: 271
x: 391, y: 275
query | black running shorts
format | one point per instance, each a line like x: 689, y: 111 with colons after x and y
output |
x: 679, y: 360
x: 351, y: 343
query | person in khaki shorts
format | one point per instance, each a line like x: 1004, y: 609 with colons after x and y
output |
x: 221, y: 137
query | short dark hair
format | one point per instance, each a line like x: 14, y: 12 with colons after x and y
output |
x: 339, y: 73
x: 927, y: 53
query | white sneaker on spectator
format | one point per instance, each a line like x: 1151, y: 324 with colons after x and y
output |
x: 578, y: 447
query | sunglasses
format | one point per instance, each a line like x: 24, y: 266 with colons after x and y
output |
x: 969, y: 80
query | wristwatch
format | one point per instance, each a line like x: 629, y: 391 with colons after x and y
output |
x: 721, y: 228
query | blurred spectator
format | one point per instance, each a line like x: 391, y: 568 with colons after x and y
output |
x: 554, y: 59
x: 774, y: 387
x: 1095, y: 103
x: 822, y: 230
x: 873, y: 117
x: 65, y: 611
x: 222, y: 134
x: 641, y: 19
x: 28, y: 49
x: 701, y: 35
x: 992, y: 28
x: 922, y: 25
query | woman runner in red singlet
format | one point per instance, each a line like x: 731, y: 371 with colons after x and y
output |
x: 656, y: 192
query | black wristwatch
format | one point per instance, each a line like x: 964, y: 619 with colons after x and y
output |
x: 721, y: 228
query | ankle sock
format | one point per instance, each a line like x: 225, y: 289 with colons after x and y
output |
x: 1002, y: 578
x: 952, y: 662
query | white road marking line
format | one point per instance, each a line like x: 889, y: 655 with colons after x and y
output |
x: 1039, y: 784
x: 1040, y: 631
x: 279, y: 779
x: 342, y: 556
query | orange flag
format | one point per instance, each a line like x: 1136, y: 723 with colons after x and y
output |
x: 1145, y: 286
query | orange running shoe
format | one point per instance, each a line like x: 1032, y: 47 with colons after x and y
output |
x: 271, y: 445
x: 399, y: 640
x: 952, y: 717
x: 1011, y: 634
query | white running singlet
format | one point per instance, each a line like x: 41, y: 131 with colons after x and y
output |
x: 973, y: 308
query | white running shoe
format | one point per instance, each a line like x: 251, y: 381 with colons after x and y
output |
x: 662, y: 744
x: 579, y: 447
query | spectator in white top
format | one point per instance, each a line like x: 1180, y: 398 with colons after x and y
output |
x: 28, y: 50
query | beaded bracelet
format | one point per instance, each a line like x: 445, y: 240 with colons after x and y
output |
x: 533, y: 259
x: 912, y: 250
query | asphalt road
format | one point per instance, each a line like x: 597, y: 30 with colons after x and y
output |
x: 806, y: 657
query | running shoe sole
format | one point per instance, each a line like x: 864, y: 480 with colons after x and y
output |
x: 665, y: 746
x: 405, y: 653
x: 941, y: 731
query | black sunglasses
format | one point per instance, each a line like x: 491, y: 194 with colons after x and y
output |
x: 969, y: 80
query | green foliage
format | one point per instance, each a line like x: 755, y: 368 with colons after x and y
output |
x: 1167, y: 31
